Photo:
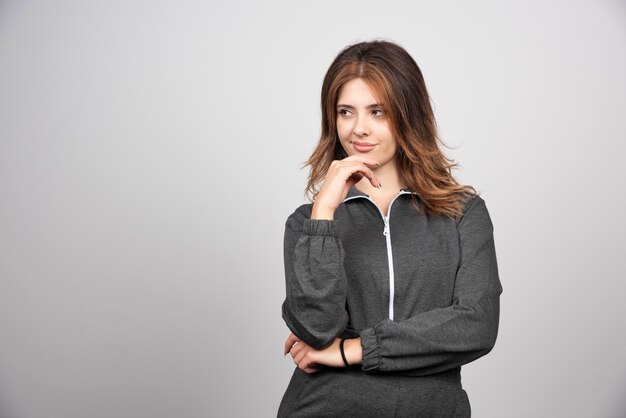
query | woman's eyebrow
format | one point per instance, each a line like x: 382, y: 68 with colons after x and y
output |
x: 352, y: 107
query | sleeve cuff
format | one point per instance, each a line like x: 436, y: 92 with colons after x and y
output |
x: 320, y: 227
x: 371, y: 350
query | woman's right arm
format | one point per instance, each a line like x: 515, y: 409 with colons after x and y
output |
x: 315, y: 305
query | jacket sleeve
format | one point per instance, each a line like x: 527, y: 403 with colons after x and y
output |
x: 315, y: 305
x: 449, y: 337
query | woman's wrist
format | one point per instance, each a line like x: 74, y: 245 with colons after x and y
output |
x: 353, y: 351
x: 322, y: 213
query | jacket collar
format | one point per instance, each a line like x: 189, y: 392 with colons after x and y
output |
x: 354, y: 192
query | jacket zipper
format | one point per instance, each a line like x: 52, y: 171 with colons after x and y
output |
x: 387, y: 234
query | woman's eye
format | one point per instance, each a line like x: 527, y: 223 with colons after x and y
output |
x: 344, y: 112
x: 377, y: 112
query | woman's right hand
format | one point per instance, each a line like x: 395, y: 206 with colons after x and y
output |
x: 341, y: 176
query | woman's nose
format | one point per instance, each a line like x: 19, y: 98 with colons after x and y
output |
x: 361, y: 128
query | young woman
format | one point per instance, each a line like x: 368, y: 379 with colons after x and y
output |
x: 391, y: 274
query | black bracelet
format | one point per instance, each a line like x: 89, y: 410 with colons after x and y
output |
x: 343, y: 355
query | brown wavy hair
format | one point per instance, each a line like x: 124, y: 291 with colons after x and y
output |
x: 397, y: 82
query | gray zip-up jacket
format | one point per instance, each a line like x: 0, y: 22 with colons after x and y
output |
x: 421, y: 291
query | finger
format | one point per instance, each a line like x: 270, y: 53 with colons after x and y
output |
x: 372, y: 178
x: 291, y: 340
x: 363, y: 160
x: 362, y: 170
x: 375, y: 182
x: 300, y: 356
x: 306, y: 363
x: 296, y: 349
x: 311, y: 369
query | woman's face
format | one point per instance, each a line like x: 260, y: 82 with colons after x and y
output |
x: 362, y: 124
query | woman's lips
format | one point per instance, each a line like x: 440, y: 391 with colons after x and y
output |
x: 363, y: 146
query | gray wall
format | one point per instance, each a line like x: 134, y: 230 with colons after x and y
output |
x: 150, y: 153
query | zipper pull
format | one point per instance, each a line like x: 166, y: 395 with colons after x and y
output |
x: 386, y: 230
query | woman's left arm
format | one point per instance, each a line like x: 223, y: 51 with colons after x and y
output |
x: 449, y: 337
